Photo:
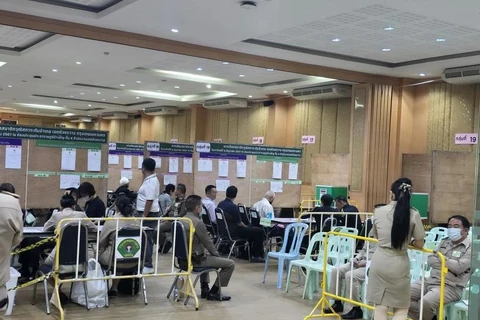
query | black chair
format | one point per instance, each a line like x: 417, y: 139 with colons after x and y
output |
x: 254, y: 218
x: 211, y: 227
x: 244, y: 214
x: 70, y: 263
x: 181, y: 261
x: 225, y: 237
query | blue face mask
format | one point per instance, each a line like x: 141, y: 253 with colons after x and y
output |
x: 454, y: 234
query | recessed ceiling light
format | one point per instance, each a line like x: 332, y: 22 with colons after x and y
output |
x: 55, y: 101
x: 71, y: 96
x: 209, y: 86
x: 336, y: 40
x: 138, y: 81
x: 441, y: 39
x: 88, y: 115
x: 9, y: 85
x: 89, y: 105
x: 270, y: 70
x: 82, y: 93
x: 137, y: 97
x: 177, y: 87
x: 104, y: 99
x: 122, y: 85
x: 174, y: 30
x: 78, y: 62
x: 199, y: 69
x: 422, y: 74
x: 386, y: 49
x: 54, y: 70
x: 99, y: 92
x: 388, y: 28
x: 241, y: 75
x: 285, y: 91
x: 249, y: 96
x: 226, y: 62
x: 115, y: 97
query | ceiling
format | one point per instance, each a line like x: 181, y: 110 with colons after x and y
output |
x: 395, y: 38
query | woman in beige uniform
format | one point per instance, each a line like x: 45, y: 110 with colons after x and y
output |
x: 394, y: 225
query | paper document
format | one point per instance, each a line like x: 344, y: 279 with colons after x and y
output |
x: 170, y: 179
x: 173, y: 164
x: 94, y: 162
x: 158, y: 162
x: 187, y: 165
x: 69, y: 181
x: 205, y: 165
x: 127, y: 161
x: 276, y: 186
x: 113, y: 159
x: 127, y: 174
x: 222, y: 185
x: 223, y: 168
x: 13, y: 157
x: 69, y: 157
x: 241, y: 168
x: 277, y: 170
x: 140, y: 162
x: 292, y: 171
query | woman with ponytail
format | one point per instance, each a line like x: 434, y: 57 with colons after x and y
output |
x: 395, y: 225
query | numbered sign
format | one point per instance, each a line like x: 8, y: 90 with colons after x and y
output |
x: 112, y: 146
x: 308, y: 139
x: 466, y: 138
x: 257, y: 140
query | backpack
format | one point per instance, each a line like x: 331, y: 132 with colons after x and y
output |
x: 125, y: 285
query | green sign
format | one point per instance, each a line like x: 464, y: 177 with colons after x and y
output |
x: 169, y: 147
x: 42, y: 174
x: 62, y: 134
x: 128, y: 248
x: 277, y: 159
x: 94, y: 175
x: 68, y: 144
x: 258, y: 150
x: 270, y: 180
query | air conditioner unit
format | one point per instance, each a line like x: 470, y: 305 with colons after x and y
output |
x: 323, y: 92
x: 114, y: 115
x: 161, y: 111
x: 227, y: 103
x: 462, y: 75
x: 81, y: 119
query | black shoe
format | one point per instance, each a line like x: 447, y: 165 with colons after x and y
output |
x: 216, y: 296
x: 355, y: 313
x: 337, y: 307
x: 205, y: 292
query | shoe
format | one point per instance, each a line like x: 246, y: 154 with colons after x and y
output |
x: 337, y: 307
x: 205, y: 292
x: 3, y: 304
x: 355, y: 313
x: 148, y: 270
x: 257, y: 260
x: 216, y: 296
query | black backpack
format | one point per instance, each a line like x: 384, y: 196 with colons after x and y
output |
x: 125, y: 285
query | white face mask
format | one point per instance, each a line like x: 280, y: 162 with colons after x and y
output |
x: 454, y: 234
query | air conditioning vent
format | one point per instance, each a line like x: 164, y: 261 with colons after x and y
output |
x: 161, y: 111
x: 223, y: 104
x: 114, y: 115
x: 323, y: 92
x: 462, y: 75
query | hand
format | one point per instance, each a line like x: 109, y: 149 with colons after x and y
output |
x: 361, y: 264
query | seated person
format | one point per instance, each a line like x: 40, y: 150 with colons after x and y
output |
x: 76, y: 196
x: 94, y: 206
x: 346, y: 274
x: 8, y: 189
x: 165, y: 199
x: 202, y: 243
x: 348, y: 220
x: 124, y: 189
x: 326, y: 200
x: 176, y: 210
x: 208, y: 202
x: 123, y: 209
x: 458, y: 258
x: 238, y: 229
x: 264, y: 206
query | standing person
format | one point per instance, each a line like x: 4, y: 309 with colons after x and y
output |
x: 165, y: 199
x: 208, y: 202
x: 11, y: 232
x: 264, y: 206
x: 394, y: 225
x: 94, y: 206
x: 147, y: 206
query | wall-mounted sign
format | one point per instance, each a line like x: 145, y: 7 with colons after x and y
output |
x: 173, y: 140
x: 257, y: 140
x: 308, y: 139
x: 466, y: 138
x: 218, y: 140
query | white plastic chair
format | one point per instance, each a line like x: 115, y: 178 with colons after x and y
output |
x: 441, y: 233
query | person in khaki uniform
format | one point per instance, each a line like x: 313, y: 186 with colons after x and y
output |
x: 394, y: 225
x: 178, y: 209
x: 202, y: 243
x: 458, y: 258
x: 11, y: 233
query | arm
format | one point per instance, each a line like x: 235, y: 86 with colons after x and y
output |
x: 108, y: 228
x: 461, y: 265
x: 418, y: 231
x: 148, y: 207
x: 202, y: 234
x: 51, y: 224
x: 18, y: 228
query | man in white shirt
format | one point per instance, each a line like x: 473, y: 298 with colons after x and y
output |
x: 208, y: 202
x: 147, y: 206
x: 264, y: 206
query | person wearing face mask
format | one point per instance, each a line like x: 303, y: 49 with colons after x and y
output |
x: 264, y: 206
x: 458, y: 258
x: 94, y: 206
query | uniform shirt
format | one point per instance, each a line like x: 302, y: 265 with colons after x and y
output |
x: 178, y: 209
x: 320, y: 218
x: 202, y: 243
x: 363, y: 254
x: 150, y: 190
x: 232, y: 214
x: 210, y: 206
x: 458, y: 258
x: 350, y: 220
x: 165, y: 201
x: 95, y: 208
x: 263, y: 207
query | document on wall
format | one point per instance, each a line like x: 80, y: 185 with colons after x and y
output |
x: 173, y: 165
x: 276, y: 186
x: 277, y: 170
x: 158, y: 162
x: 13, y: 157
x: 69, y: 181
x: 170, y: 179
x: 113, y: 159
x: 140, y: 162
x: 292, y: 171
x: 94, y: 160
x: 69, y: 157
x: 127, y: 161
x: 187, y: 165
x: 241, y: 168
x: 222, y: 184
x: 205, y: 165
x: 223, y: 168
x: 127, y: 174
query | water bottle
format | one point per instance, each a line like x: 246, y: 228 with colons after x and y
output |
x: 175, y: 292
x: 269, y: 215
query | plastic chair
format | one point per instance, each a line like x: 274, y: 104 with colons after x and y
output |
x: 346, y: 246
x: 440, y: 232
x: 284, y: 255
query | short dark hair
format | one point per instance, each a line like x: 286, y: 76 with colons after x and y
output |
x: 86, y: 189
x: 8, y: 187
x: 182, y: 188
x: 149, y: 164
x: 209, y: 188
x: 73, y: 192
x: 169, y: 188
x: 232, y: 192
x: 342, y: 198
x: 67, y: 201
x: 465, y: 222
x: 125, y: 206
x: 192, y: 202
x: 326, y: 200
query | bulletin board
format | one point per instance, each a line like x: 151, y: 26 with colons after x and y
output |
x: 16, y: 177
x: 253, y: 169
x: 38, y: 181
x: 418, y: 168
x: 174, y: 162
x: 125, y: 160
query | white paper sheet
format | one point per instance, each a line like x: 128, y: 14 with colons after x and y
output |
x: 158, y: 162
x: 94, y: 160
x: 127, y: 161
x: 127, y: 174
x: 173, y: 165
x: 187, y: 165
x: 69, y: 157
x: 140, y: 162
x: 222, y: 185
x: 13, y: 157
x: 223, y: 168
x: 292, y: 171
x: 69, y: 181
x: 276, y: 186
x: 205, y: 165
x: 170, y: 179
x: 277, y: 170
x: 113, y: 159
x: 241, y: 168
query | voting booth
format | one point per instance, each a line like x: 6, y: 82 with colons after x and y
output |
x: 320, y: 190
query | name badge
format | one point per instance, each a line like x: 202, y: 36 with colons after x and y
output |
x: 456, y: 254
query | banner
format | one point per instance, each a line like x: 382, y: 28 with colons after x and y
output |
x: 169, y: 147
x: 62, y: 134
x: 255, y: 150
x: 126, y: 148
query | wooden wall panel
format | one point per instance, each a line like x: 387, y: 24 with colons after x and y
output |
x: 418, y: 167
x: 330, y: 169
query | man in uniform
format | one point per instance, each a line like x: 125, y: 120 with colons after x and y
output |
x: 457, y: 252
x: 177, y: 210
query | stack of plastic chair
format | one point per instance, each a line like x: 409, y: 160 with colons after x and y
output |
x: 346, y: 246
x: 458, y: 310
x: 416, y: 264
x: 440, y: 232
x: 284, y: 255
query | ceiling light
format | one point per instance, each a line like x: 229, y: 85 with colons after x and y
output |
x: 115, y: 97
x: 226, y: 62
x: 388, y: 28
x: 99, y: 92
x: 174, y: 30
x: 177, y: 87
x: 103, y: 99
x: 82, y: 93
x: 9, y: 85
x: 386, y: 49
x: 336, y: 40
x: 422, y: 74
x: 78, y: 62
x: 249, y: 96
x: 270, y: 70
x: 2, y: 63
x: 138, y: 81
x: 199, y: 69
x: 54, y: 70
x: 159, y: 90
x: 209, y: 86
x: 137, y: 97
x: 441, y: 39
x: 40, y: 106
x: 68, y: 114
x: 285, y: 91
x: 89, y: 105
x: 55, y: 101
x: 241, y: 75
